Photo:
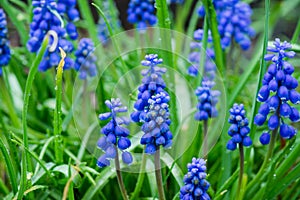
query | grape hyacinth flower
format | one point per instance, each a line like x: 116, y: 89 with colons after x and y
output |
x: 234, y: 22
x: 45, y: 19
x: 4, y: 43
x: 85, y: 59
x: 207, y: 100
x: 156, y: 124
x: 141, y: 13
x: 67, y: 9
x: 112, y: 17
x: 115, y: 135
x: 239, y: 129
x: 195, y: 183
x: 194, y: 56
x: 278, y: 93
x: 152, y: 84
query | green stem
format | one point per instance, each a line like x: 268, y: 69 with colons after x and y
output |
x: 258, y: 178
x: 205, y: 146
x: 239, y: 192
x: 57, y: 114
x: 296, y: 33
x: 158, y: 175
x: 9, y: 165
x: 164, y: 24
x: 119, y: 176
x: 140, y: 180
x: 88, y: 17
x: 212, y: 19
x: 26, y: 165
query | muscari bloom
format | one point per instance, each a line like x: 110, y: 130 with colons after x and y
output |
x: 239, y: 128
x: 278, y: 93
x: 67, y: 9
x: 156, y: 124
x: 141, y: 13
x: 4, y: 43
x: 152, y: 84
x: 46, y: 18
x: 207, y: 100
x: 195, y: 183
x: 194, y: 56
x: 111, y: 15
x: 85, y: 59
x: 115, y: 135
x: 234, y: 22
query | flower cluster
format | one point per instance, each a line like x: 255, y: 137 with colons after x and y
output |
x: 207, y: 100
x: 111, y: 14
x: 156, y: 124
x: 141, y: 13
x: 4, y: 43
x: 67, y: 9
x: 278, y: 93
x: 234, y: 20
x: 239, y: 128
x: 46, y: 18
x: 195, y: 183
x: 194, y: 57
x: 85, y: 59
x: 152, y: 84
x: 115, y: 135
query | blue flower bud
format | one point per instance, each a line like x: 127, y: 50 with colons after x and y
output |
x: 127, y: 157
x: 111, y: 152
x: 263, y: 93
x: 294, y: 116
x: 259, y: 119
x: 150, y: 149
x: 247, y: 141
x: 231, y: 145
x: 285, y: 110
x: 265, y: 138
x: 274, y: 103
x: 283, y: 93
x: 124, y: 143
x: 285, y: 131
x: 273, y: 122
x: 103, y: 161
x: 294, y: 96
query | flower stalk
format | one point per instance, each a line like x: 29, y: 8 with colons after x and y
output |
x: 158, y: 175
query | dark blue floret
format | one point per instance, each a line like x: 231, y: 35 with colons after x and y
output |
x: 141, y: 13
x: 4, y: 43
x: 195, y: 183
x: 85, y: 61
x: 234, y: 20
x: 50, y: 15
x: 207, y: 100
x: 278, y: 93
x: 239, y: 129
x: 115, y: 135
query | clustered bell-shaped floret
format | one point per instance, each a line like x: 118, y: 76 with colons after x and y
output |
x: 207, y: 100
x: 239, y: 129
x: 152, y: 84
x: 234, y: 20
x: 85, y: 61
x: 278, y: 93
x: 194, y: 56
x: 4, y: 43
x: 115, y: 135
x: 156, y: 124
x: 46, y: 18
x: 141, y: 13
x: 195, y: 183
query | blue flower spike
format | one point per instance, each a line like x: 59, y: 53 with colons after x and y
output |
x: 278, y: 93
x: 152, y: 84
x: 85, y: 61
x: 4, y: 43
x: 239, y: 128
x: 207, y: 100
x: 156, y: 124
x: 194, y: 56
x: 115, y: 135
x: 195, y: 183
x: 47, y: 17
x: 234, y: 22
x: 141, y: 13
